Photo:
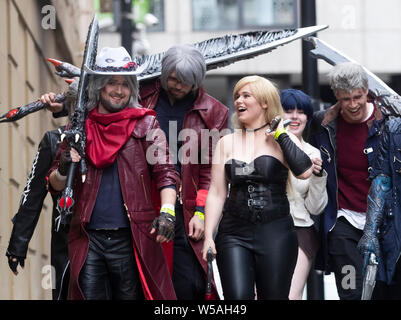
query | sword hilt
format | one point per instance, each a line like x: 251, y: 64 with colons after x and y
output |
x: 209, y: 257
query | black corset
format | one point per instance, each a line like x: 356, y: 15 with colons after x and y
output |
x: 257, y: 190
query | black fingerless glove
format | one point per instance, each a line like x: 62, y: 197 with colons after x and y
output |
x: 14, y: 264
x: 164, y: 224
x: 297, y: 160
x: 65, y: 161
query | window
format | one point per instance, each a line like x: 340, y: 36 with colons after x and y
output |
x: 243, y: 14
x: 154, y: 7
x: 109, y: 13
x: 215, y: 14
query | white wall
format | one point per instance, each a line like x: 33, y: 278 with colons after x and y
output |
x: 367, y: 30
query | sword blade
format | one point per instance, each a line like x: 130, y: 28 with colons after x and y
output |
x: 386, y: 98
x: 219, y: 52
x: 222, y: 51
x: 334, y: 56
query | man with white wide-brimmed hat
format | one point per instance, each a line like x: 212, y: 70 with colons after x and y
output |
x: 113, y: 255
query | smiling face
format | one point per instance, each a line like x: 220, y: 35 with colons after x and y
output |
x: 298, y: 121
x: 115, y: 95
x: 250, y: 113
x: 354, y: 106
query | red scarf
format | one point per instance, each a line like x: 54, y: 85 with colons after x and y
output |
x: 107, y: 133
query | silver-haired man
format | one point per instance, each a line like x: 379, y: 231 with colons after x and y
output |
x: 181, y: 104
x: 347, y: 135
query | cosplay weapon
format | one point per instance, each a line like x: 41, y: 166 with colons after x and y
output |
x: 369, y: 279
x: 274, y: 124
x: 75, y: 135
x: 218, y: 52
x: 20, y: 112
x: 223, y: 51
x: 385, y: 97
x: 209, y: 257
x: 65, y: 69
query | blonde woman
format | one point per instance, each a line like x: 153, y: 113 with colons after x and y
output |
x: 256, y: 243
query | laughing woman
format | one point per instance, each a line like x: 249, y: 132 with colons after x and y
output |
x: 307, y: 197
x: 256, y: 243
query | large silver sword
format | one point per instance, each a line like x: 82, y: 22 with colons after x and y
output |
x: 218, y: 52
x: 385, y: 97
x: 75, y: 135
x: 223, y: 51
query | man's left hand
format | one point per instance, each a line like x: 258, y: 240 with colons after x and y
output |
x: 196, y: 228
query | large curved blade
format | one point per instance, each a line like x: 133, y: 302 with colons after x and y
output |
x: 386, y: 98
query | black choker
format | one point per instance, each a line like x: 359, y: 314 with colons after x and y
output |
x: 254, y: 130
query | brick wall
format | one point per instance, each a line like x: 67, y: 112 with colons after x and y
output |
x: 24, y: 76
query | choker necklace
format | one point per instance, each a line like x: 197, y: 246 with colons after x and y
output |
x: 254, y: 130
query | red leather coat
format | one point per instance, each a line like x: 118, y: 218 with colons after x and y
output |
x: 135, y: 176
x: 206, y: 113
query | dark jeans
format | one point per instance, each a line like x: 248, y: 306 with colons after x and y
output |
x: 346, y: 260
x: 188, y: 276
x: 110, y: 271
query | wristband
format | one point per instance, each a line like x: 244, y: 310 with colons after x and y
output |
x: 200, y: 214
x: 278, y: 132
x: 168, y: 208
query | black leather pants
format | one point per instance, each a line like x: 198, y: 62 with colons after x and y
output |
x: 262, y: 254
x: 110, y: 271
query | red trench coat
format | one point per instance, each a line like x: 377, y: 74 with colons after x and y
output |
x: 135, y: 177
x: 206, y: 113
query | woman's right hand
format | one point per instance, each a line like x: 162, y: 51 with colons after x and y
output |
x: 208, y: 243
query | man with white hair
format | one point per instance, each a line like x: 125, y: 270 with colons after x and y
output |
x: 347, y: 135
x: 181, y: 104
x: 113, y: 253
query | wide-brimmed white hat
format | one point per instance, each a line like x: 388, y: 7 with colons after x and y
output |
x: 115, y: 61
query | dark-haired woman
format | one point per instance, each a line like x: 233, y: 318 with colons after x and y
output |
x: 307, y: 197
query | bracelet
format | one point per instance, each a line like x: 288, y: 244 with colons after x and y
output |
x: 278, y: 132
x: 60, y: 176
x: 200, y: 214
x: 168, y: 208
